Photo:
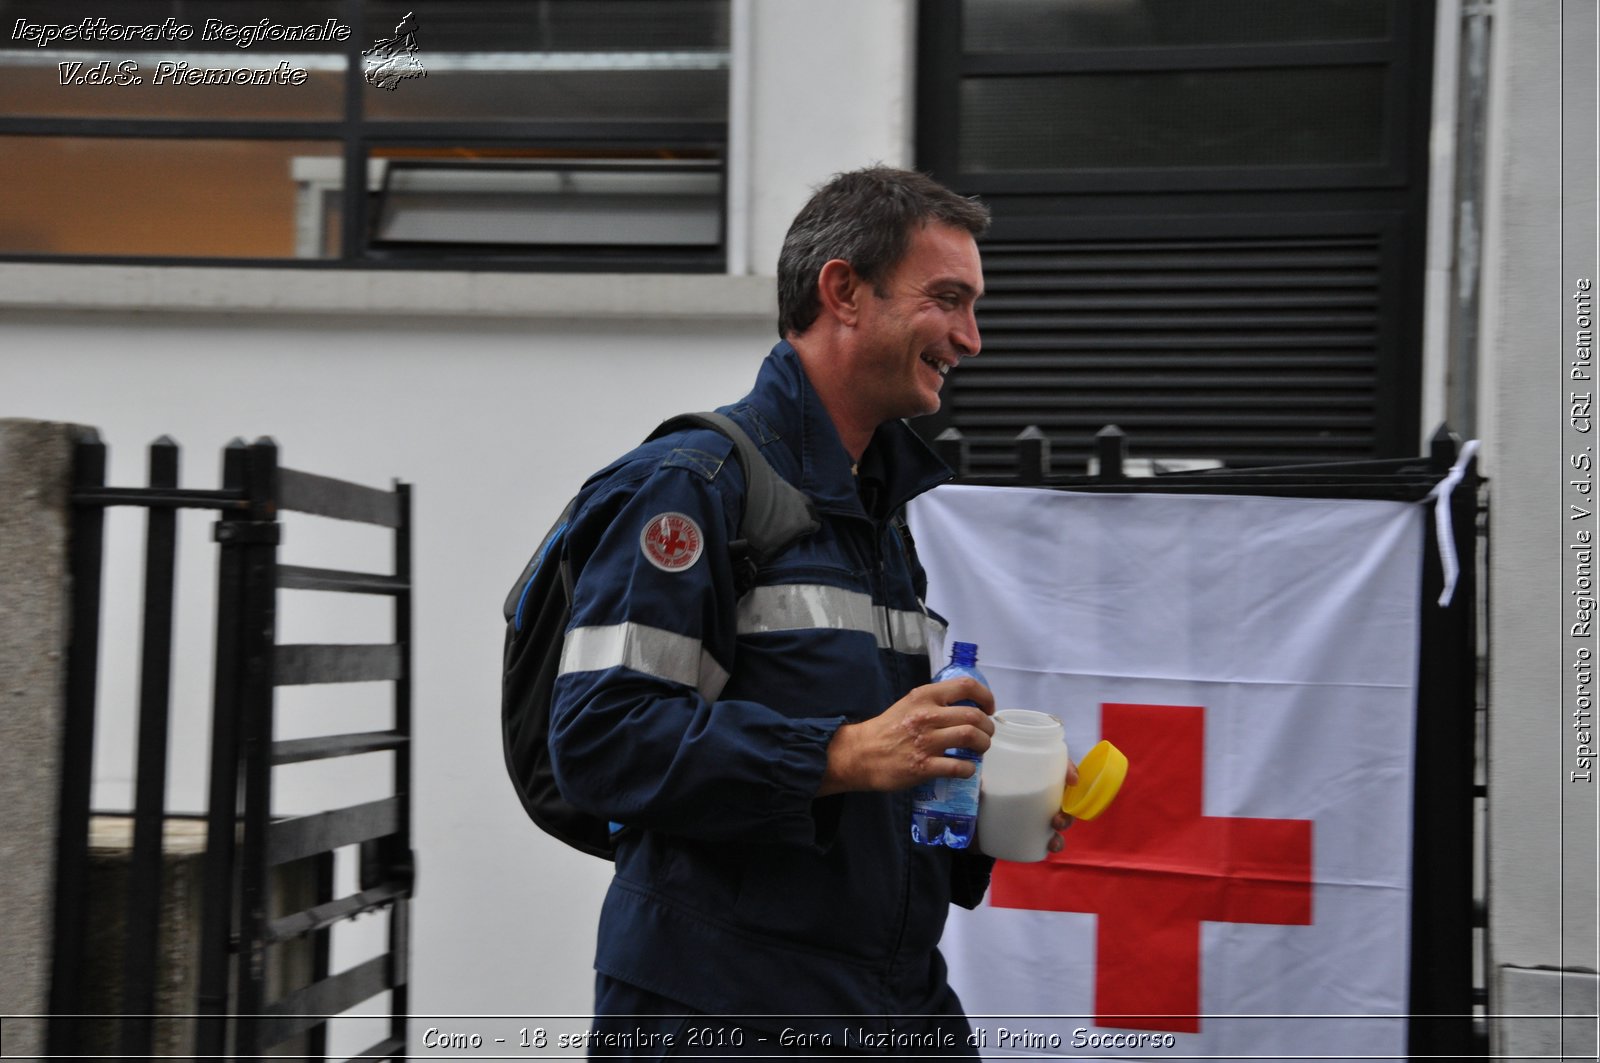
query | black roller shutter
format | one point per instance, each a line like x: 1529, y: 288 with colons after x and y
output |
x: 1263, y: 313
x: 1243, y: 350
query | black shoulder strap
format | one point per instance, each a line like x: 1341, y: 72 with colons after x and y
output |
x: 776, y: 513
x: 903, y: 529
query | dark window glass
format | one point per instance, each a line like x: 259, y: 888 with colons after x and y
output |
x: 466, y: 92
x: 1275, y: 117
x: 1066, y: 25
x: 588, y: 60
x: 558, y: 25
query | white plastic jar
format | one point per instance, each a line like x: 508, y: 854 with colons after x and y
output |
x: 1024, y: 773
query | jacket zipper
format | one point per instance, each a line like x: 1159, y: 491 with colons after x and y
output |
x: 881, y: 592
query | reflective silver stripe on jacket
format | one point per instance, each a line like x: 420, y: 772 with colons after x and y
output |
x: 805, y: 606
x: 651, y: 650
x: 787, y: 607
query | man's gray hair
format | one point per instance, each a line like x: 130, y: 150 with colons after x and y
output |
x: 864, y: 217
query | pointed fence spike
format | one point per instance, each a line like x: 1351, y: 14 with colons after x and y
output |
x: 1443, y: 447
x: 951, y: 446
x: 234, y: 456
x: 1111, y: 447
x: 1033, y: 456
x: 163, y: 463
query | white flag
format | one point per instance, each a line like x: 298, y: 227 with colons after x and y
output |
x: 1248, y: 893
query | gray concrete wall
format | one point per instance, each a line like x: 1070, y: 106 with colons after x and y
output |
x: 35, y: 473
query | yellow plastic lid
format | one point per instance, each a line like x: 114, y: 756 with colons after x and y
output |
x: 1100, y: 776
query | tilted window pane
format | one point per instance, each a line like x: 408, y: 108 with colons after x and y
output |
x: 578, y: 203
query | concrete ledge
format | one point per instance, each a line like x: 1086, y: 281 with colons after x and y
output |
x: 31, y: 286
x: 1546, y: 1014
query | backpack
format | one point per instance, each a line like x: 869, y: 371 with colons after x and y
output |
x: 539, y: 607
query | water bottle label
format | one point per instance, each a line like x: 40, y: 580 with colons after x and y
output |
x: 956, y: 797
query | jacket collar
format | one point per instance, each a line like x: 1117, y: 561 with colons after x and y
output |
x: 785, y: 415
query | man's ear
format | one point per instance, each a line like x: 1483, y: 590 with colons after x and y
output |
x: 840, y: 288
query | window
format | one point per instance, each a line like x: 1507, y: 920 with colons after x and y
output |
x: 532, y: 134
x: 1208, y: 222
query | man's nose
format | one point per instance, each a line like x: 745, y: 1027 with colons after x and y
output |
x: 964, y: 337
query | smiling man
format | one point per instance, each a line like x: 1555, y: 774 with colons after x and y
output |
x: 758, y: 739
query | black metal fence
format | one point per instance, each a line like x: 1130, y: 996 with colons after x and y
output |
x: 244, y: 915
x: 1448, y: 991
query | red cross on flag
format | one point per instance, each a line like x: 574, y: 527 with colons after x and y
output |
x: 1247, y: 895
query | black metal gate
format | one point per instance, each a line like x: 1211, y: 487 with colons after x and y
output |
x: 242, y: 917
x: 1449, y: 976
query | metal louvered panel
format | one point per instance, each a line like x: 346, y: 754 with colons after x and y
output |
x: 1250, y: 350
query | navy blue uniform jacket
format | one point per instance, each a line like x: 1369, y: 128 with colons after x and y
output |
x: 700, y: 719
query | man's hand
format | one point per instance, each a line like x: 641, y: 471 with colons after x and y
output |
x: 1062, y: 821
x: 904, y: 745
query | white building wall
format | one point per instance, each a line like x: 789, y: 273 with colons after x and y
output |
x: 1521, y: 280
x: 495, y: 424
x: 1539, y: 239
x: 494, y: 395
x: 1440, y: 290
x: 833, y: 86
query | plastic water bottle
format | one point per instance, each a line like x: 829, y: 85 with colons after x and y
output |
x: 944, y: 811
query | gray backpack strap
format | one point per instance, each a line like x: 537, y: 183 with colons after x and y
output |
x: 776, y: 513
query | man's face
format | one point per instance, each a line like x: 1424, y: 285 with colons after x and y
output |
x: 922, y: 325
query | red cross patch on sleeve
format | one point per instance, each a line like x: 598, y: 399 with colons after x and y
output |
x: 672, y: 542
